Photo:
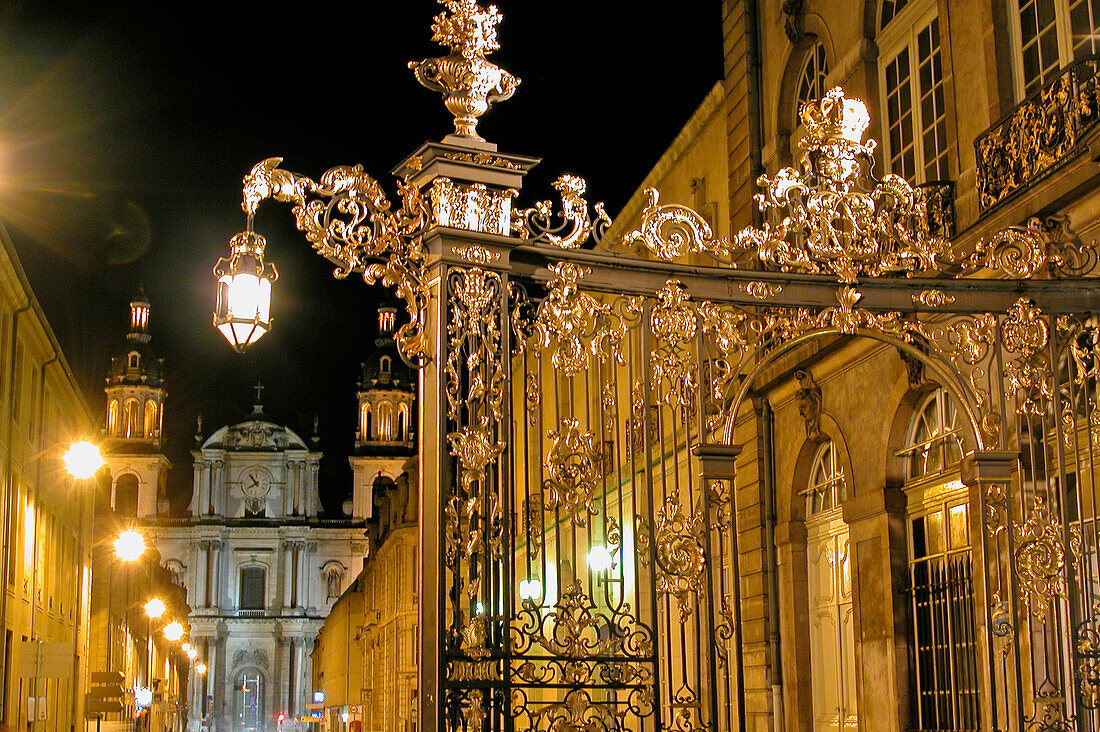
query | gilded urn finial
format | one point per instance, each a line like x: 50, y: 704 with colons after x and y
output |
x: 468, y: 81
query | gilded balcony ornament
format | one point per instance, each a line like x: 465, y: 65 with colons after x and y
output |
x: 537, y: 224
x: 673, y: 323
x: 468, y: 81
x: 347, y: 219
x: 1025, y: 332
x: 574, y: 464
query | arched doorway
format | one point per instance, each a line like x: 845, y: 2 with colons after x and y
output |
x: 829, y: 595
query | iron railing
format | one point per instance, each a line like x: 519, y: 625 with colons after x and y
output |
x: 1040, y: 134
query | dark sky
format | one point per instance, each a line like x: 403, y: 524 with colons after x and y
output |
x: 126, y: 127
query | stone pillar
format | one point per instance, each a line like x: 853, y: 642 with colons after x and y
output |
x: 217, y: 502
x: 987, y: 475
x: 311, y: 490
x: 222, y: 712
x: 202, y: 572
x: 296, y: 486
x: 794, y: 624
x: 279, y: 676
x: 288, y: 574
x: 880, y: 572
x: 306, y: 571
x: 198, y: 491
x: 215, y: 577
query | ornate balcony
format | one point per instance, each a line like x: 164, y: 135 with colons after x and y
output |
x: 1040, y: 134
x: 939, y: 202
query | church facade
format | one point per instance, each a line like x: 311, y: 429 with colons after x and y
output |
x: 260, y: 566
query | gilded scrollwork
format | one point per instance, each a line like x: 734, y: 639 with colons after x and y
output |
x: 576, y: 326
x: 677, y: 542
x: 1040, y: 558
x: 576, y: 226
x: 474, y: 254
x: 576, y: 629
x: 574, y: 464
x: 1025, y: 332
x: 761, y: 290
x: 673, y: 323
x: 347, y: 219
x: 933, y: 298
x: 670, y: 231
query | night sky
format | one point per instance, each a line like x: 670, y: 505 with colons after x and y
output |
x: 125, y: 130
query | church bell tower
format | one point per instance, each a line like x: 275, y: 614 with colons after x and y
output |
x: 134, y: 419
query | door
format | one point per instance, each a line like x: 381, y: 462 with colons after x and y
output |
x: 832, y: 636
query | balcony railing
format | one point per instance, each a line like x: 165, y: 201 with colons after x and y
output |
x: 250, y: 613
x: 1040, y: 134
x: 939, y: 207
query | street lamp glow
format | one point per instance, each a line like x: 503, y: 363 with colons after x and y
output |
x: 200, y: 669
x: 185, y: 647
x: 599, y: 559
x: 155, y: 608
x: 530, y: 589
x: 243, y: 309
x: 143, y: 696
x: 82, y: 460
x: 173, y: 631
x: 191, y: 653
x: 129, y: 545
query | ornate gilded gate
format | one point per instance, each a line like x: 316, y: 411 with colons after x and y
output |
x: 579, y: 510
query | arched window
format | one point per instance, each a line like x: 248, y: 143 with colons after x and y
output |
x: 251, y: 590
x: 1050, y: 35
x: 935, y: 438
x: 385, y: 421
x: 135, y: 359
x: 912, y: 89
x: 384, y: 364
x: 126, y: 495
x: 942, y: 632
x: 113, y: 425
x: 888, y: 10
x: 150, y: 418
x: 827, y: 488
x: 132, y: 415
x: 248, y: 695
x: 364, y: 422
x: 403, y: 422
x: 811, y: 80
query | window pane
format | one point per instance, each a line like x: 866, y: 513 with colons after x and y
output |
x: 252, y: 588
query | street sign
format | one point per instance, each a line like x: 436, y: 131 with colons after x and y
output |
x: 98, y: 705
x: 45, y: 659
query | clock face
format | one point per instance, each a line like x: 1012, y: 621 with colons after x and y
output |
x: 255, y: 483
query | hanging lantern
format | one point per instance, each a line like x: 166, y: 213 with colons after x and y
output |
x: 243, y: 310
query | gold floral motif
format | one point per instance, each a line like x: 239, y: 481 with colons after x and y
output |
x: 674, y: 369
x: 678, y: 546
x: 471, y: 206
x: 474, y: 254
x: 1026, y: 332
x: 350, y: 222
x: 574, y: 465
x: 469, y: 83
x: 474, y: 635
x: 482, y: 158
x: 577, y: 712
x: 933, y: 298
x: 576, y: 325
x: 535, y: 223
x: 760, y: 290
x: 474, y: 713
x: 1040, y: 558
x: 473, y: 671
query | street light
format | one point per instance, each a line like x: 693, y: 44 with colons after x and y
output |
x: 83, y: 459
x: 192, y: 653
x: 173, y: 631
x: 243, y: 310
x: 155, y: 608
x: 200, y: 669
x: 130, y: 545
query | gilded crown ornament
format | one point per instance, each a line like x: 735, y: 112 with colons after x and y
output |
x: 468, y: 82
x: 835, y: 118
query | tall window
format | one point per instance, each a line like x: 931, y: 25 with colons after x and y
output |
x: 827, y: 487
x: 132, y: 412
x: 150, y: 418
x: 912, y: 78
x: 248, y: 690
x: 811, y: 81
x: 126, y: 495
x: 364, y: 422
x: 113, y: 418
x: 943, y: 647
x: 251, y: 591
x: 1051, y: 34
x: 385, y: 421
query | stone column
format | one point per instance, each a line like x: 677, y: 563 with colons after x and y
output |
x: 217, y: 502
x: 217, y: 570
x: 220, y: 683
x: 296, y: 486
x: 307, y: 570
x: 288, y: 573
x: 880, y: 572
x: 198, y: 494
x: 279, y: 676
x: 794, y: 624
x: 311, y: 489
